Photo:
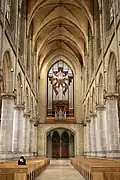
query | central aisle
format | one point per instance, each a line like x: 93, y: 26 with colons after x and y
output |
x: 60, y: 170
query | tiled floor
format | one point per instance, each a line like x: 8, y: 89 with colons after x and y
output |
x: 60, y: 170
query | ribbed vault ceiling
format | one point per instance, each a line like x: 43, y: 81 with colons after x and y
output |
x: 60, y: 27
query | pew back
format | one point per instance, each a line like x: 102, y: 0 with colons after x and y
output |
x: 97, y: 169
x: 11, y: 171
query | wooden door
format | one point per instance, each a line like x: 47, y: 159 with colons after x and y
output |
x: 55, y: 145
x: 65, y: 145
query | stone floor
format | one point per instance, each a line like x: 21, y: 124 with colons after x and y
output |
x: 60, y: 170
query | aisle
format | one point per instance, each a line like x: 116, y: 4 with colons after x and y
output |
x: 60, y: 170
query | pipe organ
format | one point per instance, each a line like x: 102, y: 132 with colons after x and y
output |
x: 60, y: 90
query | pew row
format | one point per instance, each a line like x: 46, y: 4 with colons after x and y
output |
x: 97, y: 169
x: 11, y: 171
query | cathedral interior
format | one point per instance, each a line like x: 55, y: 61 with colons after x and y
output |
x: 59, y: 79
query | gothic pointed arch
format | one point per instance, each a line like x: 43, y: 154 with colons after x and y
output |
x: 19, y: 89
x: 112, y: 74
x: 7, y: 74
x: 27, y: 99
x: 100, y: 90
x: 93, y: 100
x: 22, y: 28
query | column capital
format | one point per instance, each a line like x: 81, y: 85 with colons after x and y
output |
x: 111, y: 96
x: 8, y: 95
x: 88, y: 120
x: 84, y: 124
x: 86, y: 54
x: 36, y: 124
x: 19, y: 106
x: 93, y: 36
x: 32, y: 119
x: 93, y: 114
x: 100, y: 107
x: 27, y: 115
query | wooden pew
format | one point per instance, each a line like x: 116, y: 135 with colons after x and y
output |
x: 97, y: 169
x: 11, y: 171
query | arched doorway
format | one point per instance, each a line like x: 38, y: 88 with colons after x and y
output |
x: 60, y: 143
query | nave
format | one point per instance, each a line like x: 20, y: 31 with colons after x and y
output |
x: 60, y: 170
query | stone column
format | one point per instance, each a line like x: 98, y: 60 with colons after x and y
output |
x: 88, y: 143
x: 17, y: 130
x: 92, y: 134
x: 85, y: 138
x: 98, y: 135
x: 32, y: 129
x: 7, y: 113
x: 102, y: 125
x: 35, y: 138
x: 28, y: 136
x: 112, y: 125
x: 26, y: 133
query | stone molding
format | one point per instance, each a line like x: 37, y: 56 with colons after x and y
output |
x: 1, y: 73
x: 88, y: 120
x: 84, y: 123
x: 100, y: 107
x: 118, y: 75
x: 36, y: 124
x: 32, y: 120
x: 26, y: 115
x: 8, y: 95
x: 93, y: 114
x: 19, y: 107
x: 111, y: 96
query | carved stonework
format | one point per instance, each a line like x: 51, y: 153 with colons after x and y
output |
x: 111, y: 96
x: 93, y: 115
x: 20, y: 107
x: 118, y: 76
x: 27, y: 115
x: 36, y: 124
x: 8, y: 95
x: 84, y: 123
x: 100, y: 107
x: 88, y: 120
x: 32, y: 120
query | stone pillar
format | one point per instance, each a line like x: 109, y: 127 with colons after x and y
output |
x: 88, y: 143
x: 26, y: 133
x: 85, y: 139
x: 7, y: 113
x: 35, y: 138
x: 102, y: 125
x: 92, y: 134
x: 32, y: 129
x: 112, y: 125
x: 28, y: 136
x: 98, y: 135
x: 17, y: 145
x: 24, y: 130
